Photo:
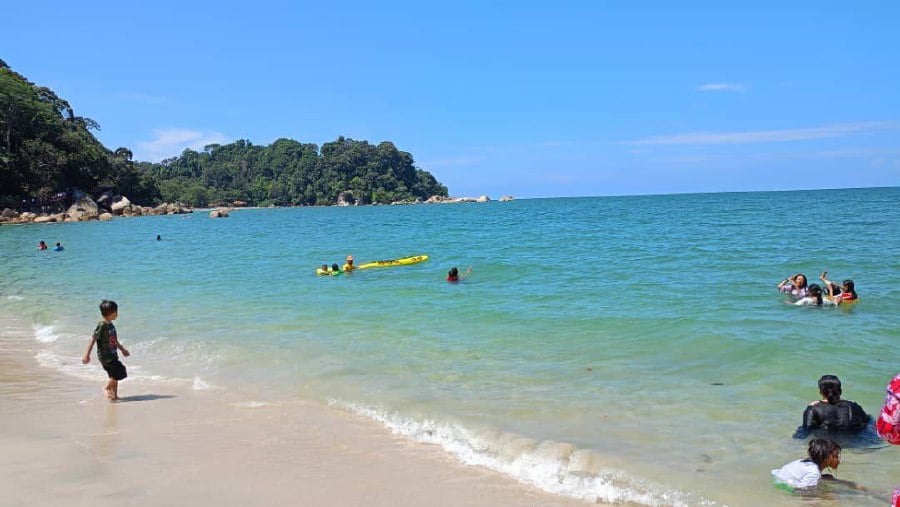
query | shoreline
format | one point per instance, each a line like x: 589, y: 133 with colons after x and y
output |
x: 167, y: 445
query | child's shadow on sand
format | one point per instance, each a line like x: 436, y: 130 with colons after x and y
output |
x: 145, y: 397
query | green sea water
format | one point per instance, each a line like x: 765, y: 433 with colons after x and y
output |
x: 629, y: 349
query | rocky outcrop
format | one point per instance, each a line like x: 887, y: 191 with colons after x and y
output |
x: 119, y: 203
x: 506, y: 198
x: 106, y: 217
x: 8, y: 213
x: 83, y: 209
x: 218, y: 213
x: 346, y: 198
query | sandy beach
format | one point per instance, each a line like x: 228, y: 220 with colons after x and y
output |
x: 63, y: 444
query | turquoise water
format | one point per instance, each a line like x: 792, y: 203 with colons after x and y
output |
x: 584, y: 354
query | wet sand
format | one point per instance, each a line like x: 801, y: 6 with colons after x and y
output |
x: 64, y: 444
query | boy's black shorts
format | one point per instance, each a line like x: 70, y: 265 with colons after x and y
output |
x: 115, y: 369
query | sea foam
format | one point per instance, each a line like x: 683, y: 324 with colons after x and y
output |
x: 554, y: 467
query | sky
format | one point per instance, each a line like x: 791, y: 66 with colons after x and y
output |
x: 525, y: 98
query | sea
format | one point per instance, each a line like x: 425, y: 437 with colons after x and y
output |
x: 629, y: 350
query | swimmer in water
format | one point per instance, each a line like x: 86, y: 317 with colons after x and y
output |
x: 831, y: 413
x: 453, y: 275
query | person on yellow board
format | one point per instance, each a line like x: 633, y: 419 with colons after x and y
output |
x: 348, y: 266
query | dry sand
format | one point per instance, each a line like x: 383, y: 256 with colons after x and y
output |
x: 61, y: 443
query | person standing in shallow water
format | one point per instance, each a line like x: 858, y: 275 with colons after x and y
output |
x: 42, y: 245
x: 831, y: 413
x: 107, y: 341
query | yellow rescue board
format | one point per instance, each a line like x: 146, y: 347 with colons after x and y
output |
x: 393, y: 262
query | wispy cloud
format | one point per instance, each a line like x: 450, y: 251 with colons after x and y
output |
x: 721, y: 87
x: 171, y: 142
x: 766, y: 136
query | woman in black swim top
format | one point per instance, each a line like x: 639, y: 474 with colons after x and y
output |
x: 831, y: 413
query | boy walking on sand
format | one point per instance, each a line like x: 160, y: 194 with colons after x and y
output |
x: 107, y: 343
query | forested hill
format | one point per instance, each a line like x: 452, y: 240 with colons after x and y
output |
x: 288, y: 172
x: 46, y: 149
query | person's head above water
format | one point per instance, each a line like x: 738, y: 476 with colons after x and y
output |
x: 453, y: 272
x: 815, y: 292
x: 849, y: 287
x: 830, y: 388
x: 324, y: 267
x: 335, y: 267
x: 825, y: 453
x: 799, y: 280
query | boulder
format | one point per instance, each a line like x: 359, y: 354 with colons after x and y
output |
x: 8, y: 213
x: 160, y: 210
x: 239, y: 204
x: 58, y: 217
x: 346, y: 198
x: 483, y: 198
x: 43, y: 219
x: 105, y: 200
x: 106, y: 217
x: 85, y: 205
x: 27, y: 217
x: 506, y: 198
x: 119, y: 203
x: 218, y: 213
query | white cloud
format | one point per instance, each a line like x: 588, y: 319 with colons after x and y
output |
x: 722, y: 87
x: 171, y: 142
x: 765, y: 136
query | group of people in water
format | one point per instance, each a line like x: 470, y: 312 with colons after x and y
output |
x: 832, y: 418
x: 57, y: 248
x: 336, y: 270
x: 453, y: 275
x: 814, y: 294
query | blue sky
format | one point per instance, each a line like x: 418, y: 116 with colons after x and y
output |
x: 522, y: 98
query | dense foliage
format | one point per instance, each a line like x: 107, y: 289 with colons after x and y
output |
x: 45, y: 149
x: 291, y: 173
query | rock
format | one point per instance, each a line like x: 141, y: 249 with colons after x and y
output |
x: 218, y: 213
x: 160, y: 210
x: 506, y: 198
x: 483, y: 198
x: 119, y: 203
x: 8, y: 213
x: 27, y: 217
x: 346, y: 198
x: 239, y: 204
x: 105, y: 199
x: 85, y: 205
x: 44, y: 219
x: 106, y: 217
x: 74, y: 216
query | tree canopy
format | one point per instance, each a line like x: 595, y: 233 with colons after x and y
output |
x: 45, y: 148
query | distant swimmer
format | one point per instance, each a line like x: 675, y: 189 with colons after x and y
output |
x: 453, y: 275
x: 813, y: 298
x: 335, y: 270
x: 348, y: 266
x: 42, y: 245
x: 846, y: 293
x: 158, y: 237
x: 831, y: 413
x: 58, y: 248
x: 794, y: 285
x: 323, y: 271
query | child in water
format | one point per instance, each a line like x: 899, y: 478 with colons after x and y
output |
x: 846, y: 293
x: 813, y: 298
x: 806, y: 473
x: 336, y: 270
x: 453, y: 275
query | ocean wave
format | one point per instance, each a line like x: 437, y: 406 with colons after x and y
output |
x: 15, y: 298
x: 45, y: 334
x: 554, y: 467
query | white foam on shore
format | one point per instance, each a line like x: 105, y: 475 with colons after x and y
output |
x: 554, y: 467
x: 72, y: 366
x: 45, y: 334
x: 251, y: 404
